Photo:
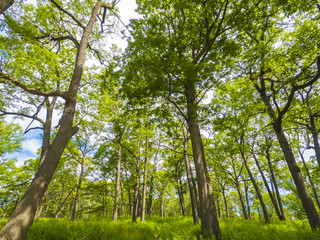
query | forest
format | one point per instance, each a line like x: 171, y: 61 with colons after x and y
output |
x: 206, y: 126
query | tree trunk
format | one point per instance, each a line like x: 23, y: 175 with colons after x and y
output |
x: 273, y: 200
x: 246, y: 187
x: 225, y: 201
x: 314, y: 190
x: 116, y: 195
x: 22, y: 217
x: 274, y: 184
x: 162, y: 204
x: 256, y: 188
x: 243, y: 207
x: 76, y: 199
x: 189, y: 177
x: 315, y: 138
x: 61, y: 204
x: 137, y: 187
x: 209, y: 219
x: 145, y: 181
x: 47, y: 129
x: 180, y: 193
x: 295, y: 171
x: 5, y: 4
x: 149, y: 207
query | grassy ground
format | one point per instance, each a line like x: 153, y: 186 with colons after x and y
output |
x: 173, y: 228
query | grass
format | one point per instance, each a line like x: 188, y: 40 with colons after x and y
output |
x: 171, y: 228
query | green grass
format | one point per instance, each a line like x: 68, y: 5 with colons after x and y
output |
x: 171, y: 228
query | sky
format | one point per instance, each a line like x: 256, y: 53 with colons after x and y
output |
x: 32, y: 140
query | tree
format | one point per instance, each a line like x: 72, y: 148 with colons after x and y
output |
x: 18, y: 225
x: 278, y: 86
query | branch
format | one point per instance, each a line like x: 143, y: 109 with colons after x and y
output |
x: 8, y: 79
x: 22, y: 115
x: 69, y: 14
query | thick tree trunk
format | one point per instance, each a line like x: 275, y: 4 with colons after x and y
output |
x: 144, y: 194
x: 314, y: 190
x: 189, y: 177
x: 5, y: 4
x: 117, y: 188
x: 273, y: 200
x: 295, y: 171
x: 209, y: 219
x: 76, y: 199
x: 21, y: 219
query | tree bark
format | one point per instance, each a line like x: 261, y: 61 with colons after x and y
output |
x: 255, y: 185
x: 137, y: 187
x: 314, y: 190
x: 145, y: 180
x: 76, y: 199
x: 47, y: 129
x: 189, y: 177
x: 273, y: 200
x: 274, y: 184
x: 315, y: 138
x: 180, y: 193
x: 5, y: 4
x: 117, y: 188
x: 21, y: 219
x: 209, y: 219
x: 295, y: 171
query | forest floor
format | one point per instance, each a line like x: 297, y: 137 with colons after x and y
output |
x: 173, y: 228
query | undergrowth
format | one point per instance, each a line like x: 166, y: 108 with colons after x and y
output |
x: 170, y: 228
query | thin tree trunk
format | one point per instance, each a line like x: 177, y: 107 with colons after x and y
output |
x: 22, y: 217
x: 180, y: 193
x: 145, y: 181
x: 315, y: 138
x: 137, y: 187
x: 117, y: 188
x: 274, y: 184
x: 209, y: 219
x: 76, y: 199
x: 61, y: 204
x: 190, y: 178
x: 162, y: 204
x: 225, y: 201
x: 246, y: 187
x: 243, y: 207
x: 47, y: 129
x: 273, y: 200
x: 255, y: 185
x: 122, y: 202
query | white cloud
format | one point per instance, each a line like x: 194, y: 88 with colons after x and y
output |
x: 31, y: 145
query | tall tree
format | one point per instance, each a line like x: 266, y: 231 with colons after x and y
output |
x: 18, y: 225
